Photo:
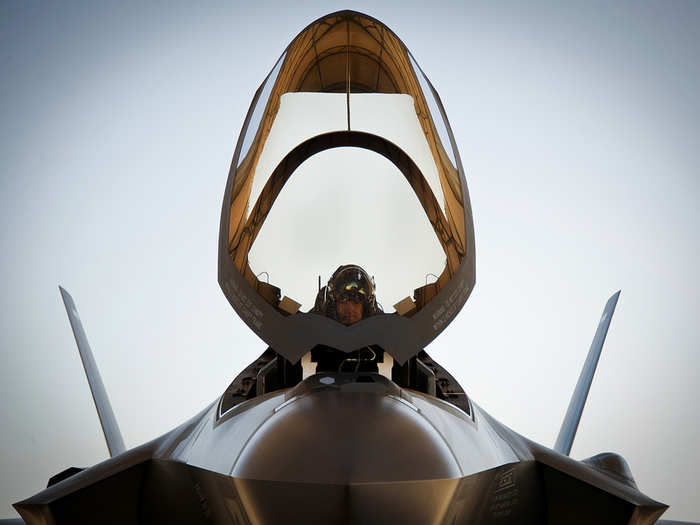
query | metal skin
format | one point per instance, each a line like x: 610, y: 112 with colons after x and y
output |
x: 343, y: 447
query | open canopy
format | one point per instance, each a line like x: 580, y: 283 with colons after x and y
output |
x: 346, y: 81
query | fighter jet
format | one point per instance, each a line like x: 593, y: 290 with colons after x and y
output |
x: 344, y: 418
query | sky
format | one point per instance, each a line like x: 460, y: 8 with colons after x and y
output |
x: 579, y: 130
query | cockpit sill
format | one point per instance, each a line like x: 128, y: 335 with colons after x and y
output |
x: 268, y: 377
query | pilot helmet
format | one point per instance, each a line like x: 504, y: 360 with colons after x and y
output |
x: 351, y: 282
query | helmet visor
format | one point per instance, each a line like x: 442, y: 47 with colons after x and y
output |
x: 352, y: 284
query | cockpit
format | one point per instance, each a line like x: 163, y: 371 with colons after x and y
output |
x: 346, y: 165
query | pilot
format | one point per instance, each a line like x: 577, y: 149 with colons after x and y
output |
x: 349, y: 296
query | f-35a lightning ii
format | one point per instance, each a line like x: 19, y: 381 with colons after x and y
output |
x: 341, y: 422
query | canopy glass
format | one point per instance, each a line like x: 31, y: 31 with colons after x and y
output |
x: 304, y: 198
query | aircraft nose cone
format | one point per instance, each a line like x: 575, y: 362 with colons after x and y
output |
x: 337, y: 430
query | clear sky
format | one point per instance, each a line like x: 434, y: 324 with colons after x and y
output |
x: 579, y: 130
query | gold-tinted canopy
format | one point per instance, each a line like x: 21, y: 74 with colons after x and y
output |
x: 350, y: 53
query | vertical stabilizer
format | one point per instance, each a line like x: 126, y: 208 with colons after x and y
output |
x: 573, y: 414
x: 113, y: 436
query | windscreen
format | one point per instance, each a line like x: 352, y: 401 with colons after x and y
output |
x: 346, y: 157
